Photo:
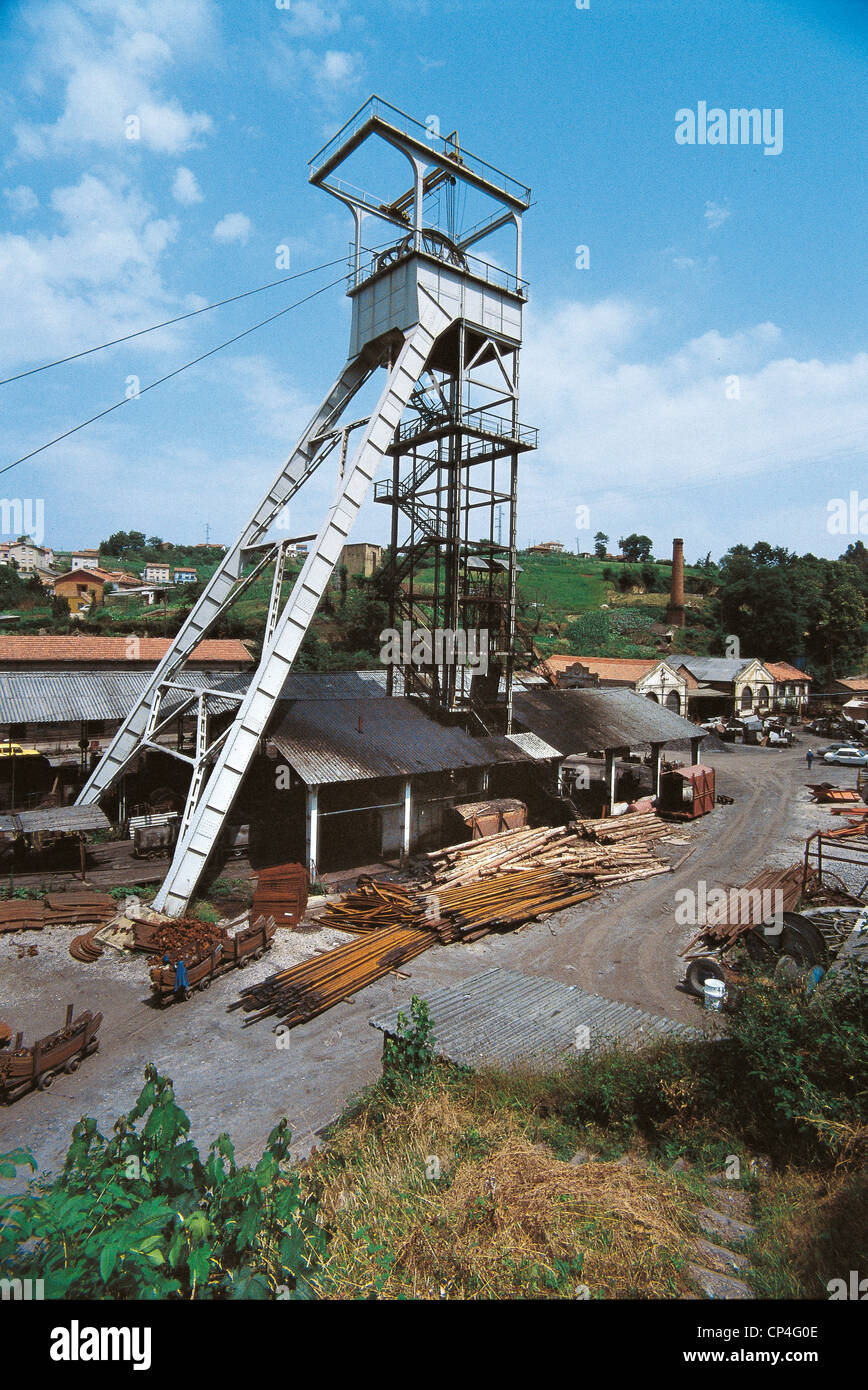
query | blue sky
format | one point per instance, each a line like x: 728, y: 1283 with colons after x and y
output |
x: 706, y: 376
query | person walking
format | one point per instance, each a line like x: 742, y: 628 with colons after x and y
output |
x: 809, y: 758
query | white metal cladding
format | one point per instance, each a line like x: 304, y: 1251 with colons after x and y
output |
x: 392, y: 300
x: 205, y: 820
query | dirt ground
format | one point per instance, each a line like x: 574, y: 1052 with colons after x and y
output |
x: 623, y: 945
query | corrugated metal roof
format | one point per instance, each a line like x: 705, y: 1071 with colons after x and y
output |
x: 66, y: 818
x: 710, y: 668
x: 580, y: 721
x: 339, y: 685
x: 63, y: 697
x: 535, y: 747
x: 504, y: 1018
x: 345, y: 740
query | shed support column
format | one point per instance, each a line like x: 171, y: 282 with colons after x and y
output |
x: 408, y: 813
x: 610, y: 779
x: 695, y: 745
x: 311, y: 832
x: 657, y: 768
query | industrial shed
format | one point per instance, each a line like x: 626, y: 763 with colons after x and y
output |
x: 584, y: 722
x: 375, y: 774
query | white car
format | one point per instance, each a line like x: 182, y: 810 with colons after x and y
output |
x: 848, y: 756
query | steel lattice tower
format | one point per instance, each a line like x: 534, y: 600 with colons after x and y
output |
x: 445, y: 327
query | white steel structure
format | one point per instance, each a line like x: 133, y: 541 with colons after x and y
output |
x: 403, y: 304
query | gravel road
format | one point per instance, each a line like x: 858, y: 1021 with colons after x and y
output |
x: 623, y: 945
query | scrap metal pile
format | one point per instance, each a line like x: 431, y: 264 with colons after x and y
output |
x: 469, y: 890
x: 178, y: 938
x: 57, y: 910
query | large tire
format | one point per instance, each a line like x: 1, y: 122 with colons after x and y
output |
x: 759, y: 946
x: 802, y: 940
x: 698, y: 971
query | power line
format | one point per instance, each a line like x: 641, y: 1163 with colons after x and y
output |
x: 233, y: 299
x: 102, y: 413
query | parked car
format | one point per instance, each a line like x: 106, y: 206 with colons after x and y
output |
x: 848, y: 756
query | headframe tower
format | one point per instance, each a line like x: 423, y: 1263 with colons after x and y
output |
x: 445, y: 328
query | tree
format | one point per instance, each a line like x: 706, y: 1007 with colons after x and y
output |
x: 601, y: 545
x: 635, y: 548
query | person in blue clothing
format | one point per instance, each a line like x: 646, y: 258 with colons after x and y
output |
x: 809, y: 758
x: 182, y: 980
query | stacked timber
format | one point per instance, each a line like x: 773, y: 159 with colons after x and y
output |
x: 605, y: 852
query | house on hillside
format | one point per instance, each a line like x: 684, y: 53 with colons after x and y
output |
x: 81, y: 588
x: 546, y: 548
x: 185, y: 574
x: 361, y: 558
x: 157, y: 572
x: 29, y: 557
x: 85, y: 560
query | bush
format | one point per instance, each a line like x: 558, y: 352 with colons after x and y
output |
x: 142, y: 1216
x: 409, y: 1056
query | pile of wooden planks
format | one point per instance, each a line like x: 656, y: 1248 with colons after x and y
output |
x: 303, y: 991
x: 758, y: 902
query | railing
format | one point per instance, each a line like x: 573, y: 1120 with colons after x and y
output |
x: 375, y: 109
x: 494, y: 275
x: 479, y: 420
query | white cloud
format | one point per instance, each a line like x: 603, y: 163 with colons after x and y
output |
x: 235, y: 226
x: 609, y: 410
x: 108, y: 57
x: 95, y: 278
x: 185, y: 187
x: 306, y: 17
x: 715, y: 215
x: 337, y: 70
x: 21, y: 199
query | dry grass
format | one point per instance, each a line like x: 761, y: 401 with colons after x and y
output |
x: 505, y: 1218
x: 813, y: 1227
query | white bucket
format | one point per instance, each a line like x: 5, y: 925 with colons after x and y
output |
x: 715, y: 992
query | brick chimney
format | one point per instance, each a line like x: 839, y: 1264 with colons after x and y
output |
x: 675, y: 609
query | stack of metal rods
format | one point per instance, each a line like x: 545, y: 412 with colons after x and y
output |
x: 372, y: 905
x: 503, y: 901
x: 303, y: 991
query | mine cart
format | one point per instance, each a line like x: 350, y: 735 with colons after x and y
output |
x: 228, y: 953
x: 22, y: 1068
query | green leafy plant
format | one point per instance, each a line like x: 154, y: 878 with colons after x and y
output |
x: 409, y: 1055
x: 141, y: 1215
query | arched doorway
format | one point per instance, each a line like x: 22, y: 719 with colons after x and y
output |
x: 649, y: 695
x: 747, y: 698
x: 762, y: 697
x: 673, y: 701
